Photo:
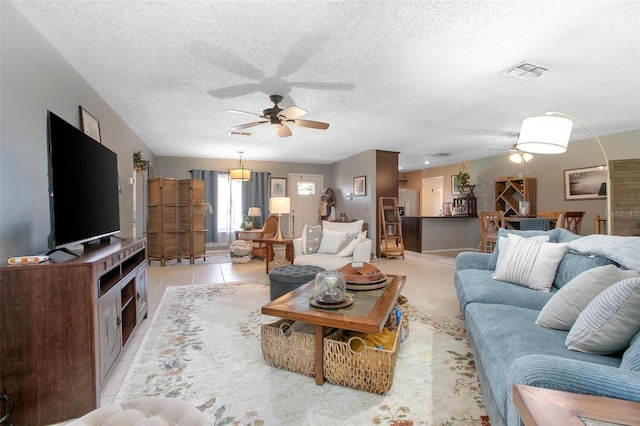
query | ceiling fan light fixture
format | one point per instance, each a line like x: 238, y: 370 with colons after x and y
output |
x: 520, y: 157
x: 240, y: 173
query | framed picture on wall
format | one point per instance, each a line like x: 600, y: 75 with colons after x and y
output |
x: 586, y: 183
x: 90, y: 125
x: 278, y: 187
x: 454, y: 189
x: 360, y: 186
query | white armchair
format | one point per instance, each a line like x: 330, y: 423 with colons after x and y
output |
x: 340, y: 243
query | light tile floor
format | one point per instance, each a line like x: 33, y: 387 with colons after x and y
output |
x: 429, y: 278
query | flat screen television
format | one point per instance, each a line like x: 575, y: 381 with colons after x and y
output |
x: 83, y: 186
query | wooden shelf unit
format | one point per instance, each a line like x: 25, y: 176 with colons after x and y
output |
x: 162, y: 227
x: 191, y: 222
x: 63, y: 325
x: 390, y: 231
x: 509, y: 191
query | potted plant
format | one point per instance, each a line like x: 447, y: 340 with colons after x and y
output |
x: 139, y: 163
x: 462, y: 179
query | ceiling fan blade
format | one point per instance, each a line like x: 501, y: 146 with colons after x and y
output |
x: 323, y: 86
x: 309, y: 123
x: 234, y: 91
x: 246, y: 126
x: 291, y: 112
x: 282, y: 130
x: 226, y: 60
x: 237, y: 111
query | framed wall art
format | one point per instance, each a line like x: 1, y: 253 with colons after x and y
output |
x: 454, y: 189
x: 278, y: 187
x: 586, y: 183
x: 360, y: 186
x: 90, y: 125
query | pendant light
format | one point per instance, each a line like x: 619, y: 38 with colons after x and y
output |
x: 240, y: 173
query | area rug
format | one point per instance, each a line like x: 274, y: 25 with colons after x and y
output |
x: 203, y: 346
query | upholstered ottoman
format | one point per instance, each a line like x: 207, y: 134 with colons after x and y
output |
x: 286, y: 278
x: 149, y: 411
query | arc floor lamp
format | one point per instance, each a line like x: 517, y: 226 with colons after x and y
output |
x: 549, y: 134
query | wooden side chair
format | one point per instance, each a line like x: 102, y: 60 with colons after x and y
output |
x: 489, y: 222
x: 572, y: 221
x: 555, y: 218
x: 600, y: 224
x: 268, y: 231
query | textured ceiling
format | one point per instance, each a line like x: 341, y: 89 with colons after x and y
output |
x: 421, y: 78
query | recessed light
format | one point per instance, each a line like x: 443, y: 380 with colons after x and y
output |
x: 426, y: 162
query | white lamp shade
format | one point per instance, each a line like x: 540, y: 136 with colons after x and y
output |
x: 254, y: 211
x: 280, y: 205
x: 546, y: 134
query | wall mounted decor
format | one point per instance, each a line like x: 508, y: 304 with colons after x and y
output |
x: 90, y: 125
x: 360, y: 186
x: 278, y: 187
x: 585, y: 183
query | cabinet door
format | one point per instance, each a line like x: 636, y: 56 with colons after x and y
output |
x: 110, y: 335
x: 141, y: 292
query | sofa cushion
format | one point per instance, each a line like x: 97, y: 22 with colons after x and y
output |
x: 631, y: 357
x: 501, y: 334
x: 311, y: 237
x: 573, y: 264
x: 565, y: 306
x: 331, y: 240
x: 348, y: 227
x: 610, y: 321
x: 476, y: 286
x: 530, y: 263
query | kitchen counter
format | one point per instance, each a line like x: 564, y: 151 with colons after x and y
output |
x: 425, y: 233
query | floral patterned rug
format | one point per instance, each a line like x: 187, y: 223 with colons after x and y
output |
x: 203, y: 346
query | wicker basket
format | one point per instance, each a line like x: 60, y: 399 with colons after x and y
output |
x: 240, y: 259
x: 369, y: 370
x: 284, y: 347
x: 402, y: 303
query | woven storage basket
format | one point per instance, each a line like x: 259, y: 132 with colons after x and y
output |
x: 369, y: 370
x: 402, y: 303
x: 283, y: 347
x: 240, y: 259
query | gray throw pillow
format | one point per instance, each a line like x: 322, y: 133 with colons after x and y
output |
x: 609, y: 322
x: 562, y: 310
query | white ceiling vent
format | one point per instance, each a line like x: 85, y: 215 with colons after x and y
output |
x: 525, y: 71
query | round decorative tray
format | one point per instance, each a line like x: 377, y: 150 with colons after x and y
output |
x: 347, y: 302
x: 368, y: 286
x: 367, y: 274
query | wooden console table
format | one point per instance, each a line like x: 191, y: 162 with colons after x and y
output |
x: 540, y: 406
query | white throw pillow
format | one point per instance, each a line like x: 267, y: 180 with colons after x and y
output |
x: 331, y: 240
x: 350, y: 247
x: 348, y: 227
x: 530, y: 263
x: 311, y: 237
x: 502, y: 245
x: 609, y: 322
x: 565, y: 306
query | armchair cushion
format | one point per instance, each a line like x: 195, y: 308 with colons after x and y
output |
x: 331, y: 241
x: 311, y: 237
x: 349, y: 244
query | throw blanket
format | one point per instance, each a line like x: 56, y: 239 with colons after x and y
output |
x: 623, y: 250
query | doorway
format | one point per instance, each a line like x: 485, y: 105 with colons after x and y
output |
x: 305, y: 191
x: 432, y: 196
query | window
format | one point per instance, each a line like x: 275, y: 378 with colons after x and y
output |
x: 229, y: 208
x: 306, y: 188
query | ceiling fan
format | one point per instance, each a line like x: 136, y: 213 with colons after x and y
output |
x: 279, y: 118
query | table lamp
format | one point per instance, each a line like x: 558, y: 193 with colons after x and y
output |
x: 255, y: 213
x: 280, y: 206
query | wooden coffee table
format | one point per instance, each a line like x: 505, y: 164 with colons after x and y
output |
x: 368, y: 313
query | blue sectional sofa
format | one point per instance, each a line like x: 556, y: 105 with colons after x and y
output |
x: 509, y: 348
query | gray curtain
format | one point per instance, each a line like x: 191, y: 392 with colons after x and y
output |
x: 255, y: 193
x: 210, y: 178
